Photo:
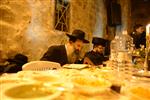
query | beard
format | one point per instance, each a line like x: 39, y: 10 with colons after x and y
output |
x: 74, y: 56
x: 76, y: 52
x: 99, y: 52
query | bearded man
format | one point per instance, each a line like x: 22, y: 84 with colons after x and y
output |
x: 96, y: 55
x: 68, y: 53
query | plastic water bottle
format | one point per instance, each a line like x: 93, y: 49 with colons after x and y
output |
x: 125, y: 45
x: 114, y: 51
x: 124, y: 53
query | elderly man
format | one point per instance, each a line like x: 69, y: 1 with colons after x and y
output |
x: 96, y: 56
x: 68, y: 53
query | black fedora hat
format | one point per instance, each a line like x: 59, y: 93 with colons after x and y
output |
x: 99, y: 41
x: 78, y: 34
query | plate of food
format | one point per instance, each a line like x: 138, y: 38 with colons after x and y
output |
x: 30, y: 92
x: 96, y: 85
x: 139, y: 92
x: 46, y: 78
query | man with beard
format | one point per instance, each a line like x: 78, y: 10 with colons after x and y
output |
x: 96, y: 56
x: 68, y: 53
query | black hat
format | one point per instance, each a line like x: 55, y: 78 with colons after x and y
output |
x: 78, y: 34
x: 99, y: 41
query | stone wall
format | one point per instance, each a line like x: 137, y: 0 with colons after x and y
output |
x: 27, y: 26
x: 126, y: 11
x: 90, y: 16
x: 101, y: 19
x: 14, y: 19
x: 125, y: 17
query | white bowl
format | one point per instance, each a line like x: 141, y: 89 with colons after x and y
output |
x: 30, y: 92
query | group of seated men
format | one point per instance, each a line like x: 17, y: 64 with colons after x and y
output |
x: 70, y: 52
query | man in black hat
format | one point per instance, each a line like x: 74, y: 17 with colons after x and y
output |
x: 96, y: 56
x: 68, y: 53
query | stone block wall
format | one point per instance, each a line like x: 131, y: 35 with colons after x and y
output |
x: 14, y: 19
x: 27, y: 26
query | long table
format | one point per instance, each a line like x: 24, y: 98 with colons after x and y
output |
x: 74, y: 84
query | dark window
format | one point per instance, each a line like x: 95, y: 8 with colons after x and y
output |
x: 62, y: 15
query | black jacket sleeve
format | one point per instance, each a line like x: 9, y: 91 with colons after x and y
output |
x: 49, y: 55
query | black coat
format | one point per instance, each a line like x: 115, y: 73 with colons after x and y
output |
x: 14, y: 64
x: 139, y: 39
x: 95, y: 57
x: 56, y: 53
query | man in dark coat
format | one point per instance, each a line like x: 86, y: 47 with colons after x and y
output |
x: 96, y: 56
x: 68, y: 53
x: 14, y: 64
x: 139, y: 36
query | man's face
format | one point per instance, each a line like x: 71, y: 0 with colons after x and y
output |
x: 140, y: 30
x: 75, y: 51
x: 99, y: 49
x: 78, y: 44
